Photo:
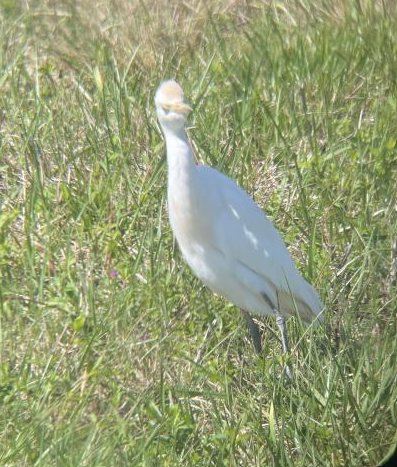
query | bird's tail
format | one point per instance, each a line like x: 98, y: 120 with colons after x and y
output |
x: 313, y: 305
x: 306, y: 303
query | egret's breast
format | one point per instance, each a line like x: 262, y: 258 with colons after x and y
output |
x: 190, y: 213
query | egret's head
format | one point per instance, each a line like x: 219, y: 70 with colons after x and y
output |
x: 171, y: 109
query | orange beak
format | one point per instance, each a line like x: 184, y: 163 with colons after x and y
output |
x: 180, y: 107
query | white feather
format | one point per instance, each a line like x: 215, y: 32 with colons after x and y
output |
x: 224, y: 236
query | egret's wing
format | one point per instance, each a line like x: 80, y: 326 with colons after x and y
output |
x: 260, y: 258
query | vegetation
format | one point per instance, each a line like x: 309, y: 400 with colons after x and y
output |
x: 112, y: 353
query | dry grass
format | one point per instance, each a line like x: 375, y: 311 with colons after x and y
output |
x: 153, y: 31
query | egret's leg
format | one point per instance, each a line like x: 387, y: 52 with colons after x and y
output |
x: 254, y: 331
x: 280, y: 320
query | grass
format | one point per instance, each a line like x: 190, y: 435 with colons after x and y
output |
x: 112, y: 353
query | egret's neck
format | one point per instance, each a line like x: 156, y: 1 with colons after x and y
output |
x: 179, y: 153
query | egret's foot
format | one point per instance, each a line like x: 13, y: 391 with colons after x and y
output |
x: 254, y: 331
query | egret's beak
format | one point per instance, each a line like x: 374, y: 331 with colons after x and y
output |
x: 179, y: 107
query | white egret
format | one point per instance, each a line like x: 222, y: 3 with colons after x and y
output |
x: 224, y: 236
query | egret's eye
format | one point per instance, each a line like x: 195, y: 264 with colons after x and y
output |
x: 165, y: 110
